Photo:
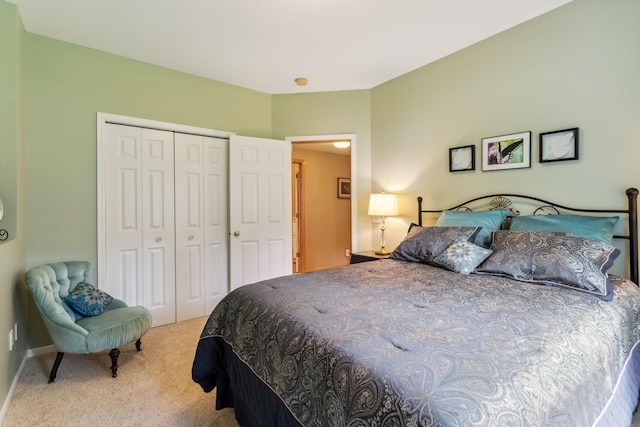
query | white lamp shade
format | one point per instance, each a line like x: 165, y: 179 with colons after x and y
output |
x: 383, y: 204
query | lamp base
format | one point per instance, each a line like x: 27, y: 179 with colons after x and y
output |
x: 382, y: 252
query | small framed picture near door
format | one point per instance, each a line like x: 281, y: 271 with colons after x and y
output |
x: 344, y: 188
x: 559, y: 145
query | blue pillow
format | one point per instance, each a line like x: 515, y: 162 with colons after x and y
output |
x: 462, y: 256
x: 88, y: 300
x: 488, y: 220
x: 589, y: 227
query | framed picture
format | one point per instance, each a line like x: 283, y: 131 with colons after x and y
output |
x: 506, y: 152
x: 559, y: 145
x: 462, y: 158
x: 344, y: 188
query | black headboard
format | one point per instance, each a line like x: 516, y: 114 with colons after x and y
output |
x: 502, y: 201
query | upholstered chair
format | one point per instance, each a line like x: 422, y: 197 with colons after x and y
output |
x: 71, y: 332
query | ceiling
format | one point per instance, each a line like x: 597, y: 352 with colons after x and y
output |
x: 265, y: 45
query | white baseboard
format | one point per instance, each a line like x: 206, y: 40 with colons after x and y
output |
x: 29, y: 353
x: 41, y: 350
x: 12, y: 389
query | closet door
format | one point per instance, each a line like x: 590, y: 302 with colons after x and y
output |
x: 201, y: 224
x: 139, y: 219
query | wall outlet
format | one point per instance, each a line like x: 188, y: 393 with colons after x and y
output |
x: 347, y: 252
x: 11, y: 340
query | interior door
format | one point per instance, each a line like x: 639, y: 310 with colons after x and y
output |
x: 259, y: 209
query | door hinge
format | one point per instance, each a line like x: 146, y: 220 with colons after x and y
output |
x: 297, y: 254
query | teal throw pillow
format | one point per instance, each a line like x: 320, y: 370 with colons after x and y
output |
x: 462, y: 256
x: 88, y: 300
x: 588, y: 227
x: 488, y: 220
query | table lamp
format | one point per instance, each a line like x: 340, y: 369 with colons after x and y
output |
x: 383, y: 205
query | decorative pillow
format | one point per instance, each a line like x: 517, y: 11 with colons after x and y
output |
x: 88, y: 300
x: 423, y: 244
x: 589, y: 227
x: 549, y: 258
x: 462, y: 256
x: 488, y: 220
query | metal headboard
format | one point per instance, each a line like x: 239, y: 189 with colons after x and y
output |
x: 502, y: 201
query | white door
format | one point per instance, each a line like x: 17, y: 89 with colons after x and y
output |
x: 201, y: 224
x: 139, y: 219
x: 259, y: 209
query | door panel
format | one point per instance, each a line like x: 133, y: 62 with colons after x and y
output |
x: 139, y: 222
x: 201, y: 226
x: 260, y: 209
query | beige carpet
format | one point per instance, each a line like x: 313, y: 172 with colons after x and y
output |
x: 153, y: 387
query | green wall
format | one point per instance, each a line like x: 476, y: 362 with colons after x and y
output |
x: 330, y: 113
x: 12, y: 192
x: 577, y: 66
x: 66, y: 86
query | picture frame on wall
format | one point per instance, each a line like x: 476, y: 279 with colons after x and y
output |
x: 512, y: 151
x: 344, y: 188
x: 462, y: 158
x: 559, y: 145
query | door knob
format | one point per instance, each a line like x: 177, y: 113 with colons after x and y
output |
x: 190, y: 237
x: 236, y: 233
x: 158, y: 239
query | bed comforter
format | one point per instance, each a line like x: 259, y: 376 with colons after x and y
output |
x: 392, y: 343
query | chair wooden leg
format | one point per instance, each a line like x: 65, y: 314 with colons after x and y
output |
x: 138, y: 343
x: 113, y: 354
x: 56, y: 365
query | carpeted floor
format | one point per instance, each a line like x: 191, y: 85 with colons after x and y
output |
x: 153, y: 387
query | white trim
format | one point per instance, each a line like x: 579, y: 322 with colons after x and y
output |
x: 354, y: 176
x: 41, y: 350
x: 102, y: 120
x: 12, y: 390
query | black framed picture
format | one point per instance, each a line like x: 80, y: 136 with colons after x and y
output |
x: 559, y: 145
x: 462, y: 158
x: 511, y: 151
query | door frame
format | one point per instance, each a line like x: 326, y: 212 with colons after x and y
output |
x: 102, y: 120
x: 302, y: 259
x: 354, y: 175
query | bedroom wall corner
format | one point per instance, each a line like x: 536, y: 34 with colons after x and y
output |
x: 12, y: 252
x: 576, y: 66
x: 66, y: 86
x: 330, y: 113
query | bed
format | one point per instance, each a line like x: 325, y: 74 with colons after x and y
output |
x: 537, y: 333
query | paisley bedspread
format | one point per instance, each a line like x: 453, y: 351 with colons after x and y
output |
x: 392, y: 343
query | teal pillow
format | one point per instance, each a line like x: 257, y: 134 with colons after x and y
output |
x: 462, y: 256
x: 488, y: 220
x: 588, y: 227
x: 88, y: 300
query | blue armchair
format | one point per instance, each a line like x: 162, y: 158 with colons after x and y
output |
x: 74, y: 333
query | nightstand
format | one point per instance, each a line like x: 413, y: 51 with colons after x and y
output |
x: 366, y: 256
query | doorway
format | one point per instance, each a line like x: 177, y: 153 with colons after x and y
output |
x: 322, y: 226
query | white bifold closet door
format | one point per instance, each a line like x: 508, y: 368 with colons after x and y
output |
x: 139, y: 219
x: 201, y: 224
x: 167, y: 203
